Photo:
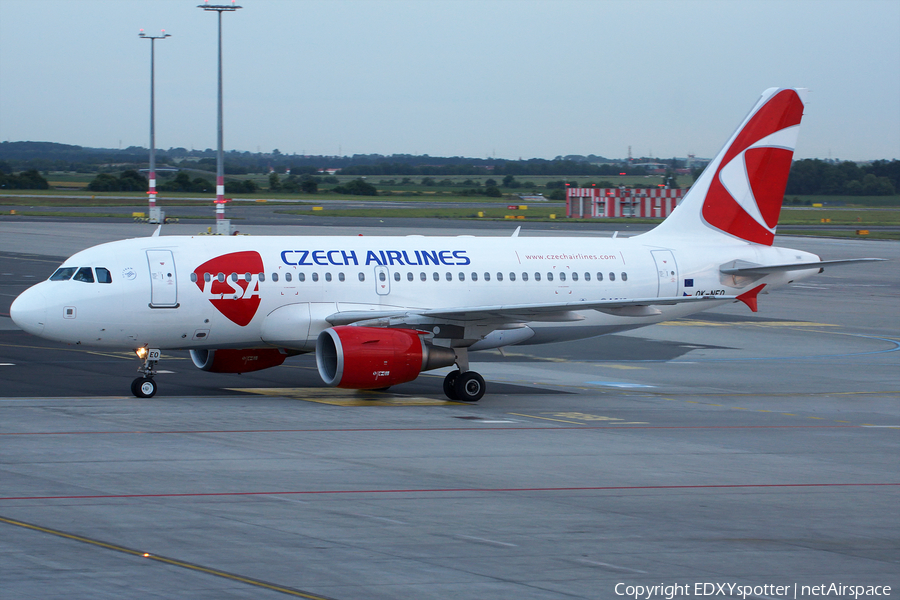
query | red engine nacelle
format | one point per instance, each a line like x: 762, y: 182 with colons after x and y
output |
x: 367, y: 358
x: 227, y: 360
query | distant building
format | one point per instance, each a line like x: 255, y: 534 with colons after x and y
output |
x: 584, y: 203
x: 652, y: 168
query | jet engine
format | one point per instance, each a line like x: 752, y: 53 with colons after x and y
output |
x: 227, y: 360
x: 367, y: 358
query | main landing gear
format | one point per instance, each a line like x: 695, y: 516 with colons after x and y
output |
x: 145, y: 386
x: 463, y: 384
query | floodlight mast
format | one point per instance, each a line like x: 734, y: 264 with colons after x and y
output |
x: 151, y: 193
x: 220, y: 154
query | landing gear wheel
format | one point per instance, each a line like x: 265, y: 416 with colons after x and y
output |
x: 143, y: 387
x: 450, y: 385
x: 469, y: 386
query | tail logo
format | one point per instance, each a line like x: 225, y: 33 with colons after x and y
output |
x: 745, y: 195
x: 233, y: 286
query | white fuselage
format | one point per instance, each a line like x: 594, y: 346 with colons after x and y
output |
x: 226, y: 292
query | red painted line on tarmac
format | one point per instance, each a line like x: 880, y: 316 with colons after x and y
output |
x: 457, y: 490
x: 395, y: 429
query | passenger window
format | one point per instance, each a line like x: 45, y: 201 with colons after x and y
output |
x: 221, y: 277
x: 524, y: 276
x: 435, y: 276
x: 362, y: 276
x: 207, y: 277
x: 234, y: 276
x: 382, y: 276
x: 462, y: 276
x: 499, y: 276
x: 340, y: 277
x: 599, y: 276
x: 562, y: 276
x: 574, y: 276
x: 474, y: 276
x: 624, y: 276
x: 193, y: 277
x: 262, y: 276
x: 287, y: 276
x: 396, y: 275
x: 587, y: 276
x: 300, y: 277
x: 409, y: 276
x: 327, y: 276
x: 512, y: 276
x: 274, y: 276
x: 448, y: 276
x: 423, y: 276
x: 63, y: 274
x: 612, y: 276
x: 247, y: 276
x: 85, y: 275
x: 549, y: 276
x: 537, y: 276
x: 315, y: 276
x: 487, y: 276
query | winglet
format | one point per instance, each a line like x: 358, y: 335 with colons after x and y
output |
x: 749, y: 298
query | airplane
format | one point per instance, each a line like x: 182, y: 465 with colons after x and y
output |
x: 378, y: 311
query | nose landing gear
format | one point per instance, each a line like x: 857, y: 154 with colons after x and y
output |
x: 145, y: 386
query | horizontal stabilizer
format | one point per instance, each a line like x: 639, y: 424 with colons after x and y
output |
x: 751, y: 269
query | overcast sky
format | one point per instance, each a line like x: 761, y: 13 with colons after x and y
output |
x: 504, y: 78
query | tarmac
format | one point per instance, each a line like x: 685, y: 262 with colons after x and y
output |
x: 728, y: 448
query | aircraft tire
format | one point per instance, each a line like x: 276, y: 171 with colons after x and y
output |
x: 143, y: 387
x: 469, y: 386
x: 450, y: 385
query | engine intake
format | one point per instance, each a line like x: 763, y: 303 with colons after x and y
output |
x: 227, y: 360
x: 366, y: 358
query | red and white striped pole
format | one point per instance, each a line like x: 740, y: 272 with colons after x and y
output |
x: 152, y: 192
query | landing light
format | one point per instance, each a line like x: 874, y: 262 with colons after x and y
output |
x: 141, y: 353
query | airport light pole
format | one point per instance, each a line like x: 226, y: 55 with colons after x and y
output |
x: 222, y: 226
x: 151, y: 193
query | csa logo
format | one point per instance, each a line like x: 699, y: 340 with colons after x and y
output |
x: 744, y: 198
x: 236, y: 300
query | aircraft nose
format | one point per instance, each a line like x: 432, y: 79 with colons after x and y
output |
x: 29, y: 310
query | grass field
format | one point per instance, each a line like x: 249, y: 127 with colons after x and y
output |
x: 858, y: 212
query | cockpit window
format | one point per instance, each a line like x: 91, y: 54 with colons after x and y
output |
x: 63, y: 274
x: 103, y: 275
x: 84, y: 274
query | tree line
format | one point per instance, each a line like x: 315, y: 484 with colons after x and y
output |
x: 26, y: 180
x: 817, y: 177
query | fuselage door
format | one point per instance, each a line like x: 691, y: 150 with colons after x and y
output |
x: 163, y: 289
x: 667, y: 273
x: 382, y: 281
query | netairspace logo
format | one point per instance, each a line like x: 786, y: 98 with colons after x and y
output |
x: 736, y: 590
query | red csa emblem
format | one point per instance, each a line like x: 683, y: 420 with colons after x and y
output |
x: 237, y: 300
x: 744, y: 198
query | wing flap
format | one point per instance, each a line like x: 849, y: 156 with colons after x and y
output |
x: 517, y: 313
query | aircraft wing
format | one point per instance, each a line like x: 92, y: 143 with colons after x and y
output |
x: 740, y: 267
x: 514, y: 313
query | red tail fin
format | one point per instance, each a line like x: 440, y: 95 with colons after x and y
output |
x: 741, y: 191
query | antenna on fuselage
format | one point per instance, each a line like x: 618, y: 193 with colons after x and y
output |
x: 156, y: 233
x: 516, y: 232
